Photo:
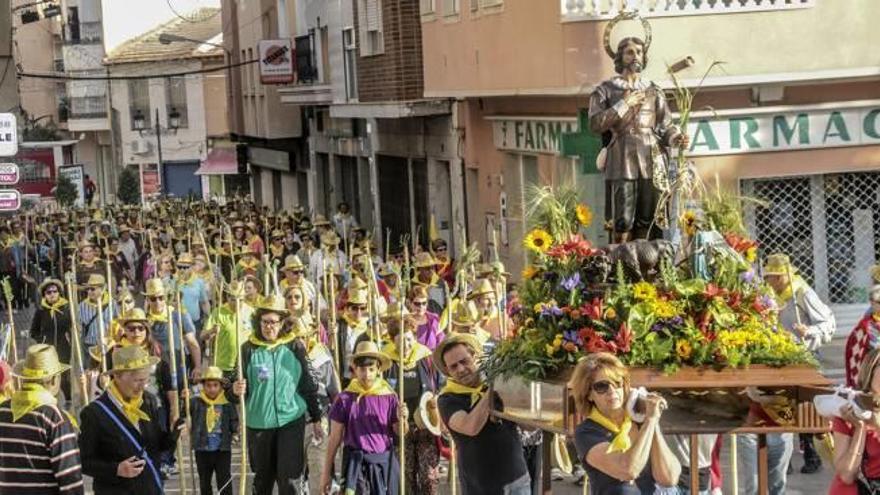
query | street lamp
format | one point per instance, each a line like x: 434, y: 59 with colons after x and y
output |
x: 140, y: 124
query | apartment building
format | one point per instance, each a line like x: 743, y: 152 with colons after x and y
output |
x: 793, y: 119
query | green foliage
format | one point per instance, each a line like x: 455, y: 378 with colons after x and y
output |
x: 65, y: 192
x: 129, y: 187
x: 553, y: 209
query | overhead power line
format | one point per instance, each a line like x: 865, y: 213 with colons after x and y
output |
x: 66, y: 77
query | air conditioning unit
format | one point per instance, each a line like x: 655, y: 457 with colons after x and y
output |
x: 141, y: 147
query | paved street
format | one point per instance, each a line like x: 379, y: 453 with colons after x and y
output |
x: 799, y: 484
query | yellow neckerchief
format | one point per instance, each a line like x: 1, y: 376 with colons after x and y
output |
x: 314, y: 348
x: 453, y: 387
x: 185, y: 277
x: 417, y: 352
x: 875, y: 317
x: 797, y: 284
x: 30, y: 397
x: 276, y: 251
x: 254, y: 263
x: 130, y: 408
x: 354, y: 324
x: 252, y: 300
x: 284, y: 339
x: 621, y: 441
x: 88, y: 264
x: 379, y: 387
x: 210, y: 413
x: 160, y: 317
x: 105, y: 300
x: 434, y: 280
x: 54, y: 308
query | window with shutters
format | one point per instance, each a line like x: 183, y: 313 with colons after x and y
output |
x: 139, y: 101
x: 370, y: 27
x: 175, y: 99
x: 349, y: 47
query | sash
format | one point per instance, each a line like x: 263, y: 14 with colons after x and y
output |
x: 142, y: 452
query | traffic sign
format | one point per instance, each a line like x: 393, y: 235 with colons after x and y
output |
x: 10, y: 200
x: 9, y: 175
x: 8, y: 135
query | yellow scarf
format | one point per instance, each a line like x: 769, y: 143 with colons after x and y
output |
x: 131, y: 408
x: 434, y: 280
x: 354, y: 324
x: 621, y: 441
x: 30, y: 397
x: 285, y: 339
x: 54, y: 309
x: 105, y: 300
x: 249, y: 266
x: 799, y: 286
x: 210, y: 413
x: 453, y: 387
x: 379, y: 387
x: 416, y: 353
x: 276, y: 251
x: 160, y: 317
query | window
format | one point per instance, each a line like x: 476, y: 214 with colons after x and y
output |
x: 426, y: 6
x: 475, y: 5
x: 490, y: 3
x: 371, y: 34
x: 350, y: 63
x: 175, y: 98
x: 305, y: 67
x: 88, y: 107
x: 139, y: 100
x: 450, y: 7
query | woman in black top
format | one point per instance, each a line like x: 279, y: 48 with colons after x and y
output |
x: 622, y: 457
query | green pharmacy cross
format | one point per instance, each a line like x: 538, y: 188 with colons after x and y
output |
x: 582, y: 144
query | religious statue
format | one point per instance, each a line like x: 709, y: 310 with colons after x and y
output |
x: 633, y: 118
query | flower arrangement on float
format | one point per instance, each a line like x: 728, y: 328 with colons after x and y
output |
x: 706, y: 306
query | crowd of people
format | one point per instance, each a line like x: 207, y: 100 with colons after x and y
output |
x: 335, y: 369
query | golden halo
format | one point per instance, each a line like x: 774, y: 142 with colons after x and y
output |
x: 625, y: 16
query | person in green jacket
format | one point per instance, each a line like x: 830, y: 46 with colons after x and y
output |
x: 281, y: 395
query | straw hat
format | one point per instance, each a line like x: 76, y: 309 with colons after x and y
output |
x: 41, y: 362
x: 94, y: 280
x: 278, y: 234
x: 358, y: 297
x: 213, y: 373
x: 292, y: 262
x: 388, y: 269
x: 329, y: 239
x: 95, y: 350
x: 320, y: 221
x: 393, y: 313
x: 464, y: 314
x: 154, y: 287
x: 875, y: 274
x: 424, y: 260
x: 238, y: 224
x: 85, y: 243
x: 491, y: 269
x: 368, y: 348
x: 131, y: 358
x: 779, y: 264
x: 357, y: 284
x: 247, y: 249
x: 272, y: 304
x: 185, y: 259
x: 50, y: 281
x: 134, y: 314
x: 483, y: 287
x: 235, y: 288
x: 459, y: 338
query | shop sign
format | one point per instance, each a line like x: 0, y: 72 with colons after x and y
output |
x: 276, y: 61
x: 794, y: 128
x: 76, y: 176
x: 8, y: 135
x: 10, y: 200
x: 538, y: 135
x: 9, y: 175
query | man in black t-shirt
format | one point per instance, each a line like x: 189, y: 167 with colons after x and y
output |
x: 489, y: 453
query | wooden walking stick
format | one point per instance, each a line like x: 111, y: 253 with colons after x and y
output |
x: 242, y: 413
x: 74, y: 336
x: 176, y: 404
x: 186, y: 401
x: 102, y: 343
x: 401, y: 425
x: 7, y: 294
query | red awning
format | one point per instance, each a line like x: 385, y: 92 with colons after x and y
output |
x: 220, y: 161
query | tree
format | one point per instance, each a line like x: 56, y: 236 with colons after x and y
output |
x: 65, y: 191
x: 129, y: 187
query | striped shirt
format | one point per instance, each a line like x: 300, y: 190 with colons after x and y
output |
x: 88, y: 322
x: 39, y: 453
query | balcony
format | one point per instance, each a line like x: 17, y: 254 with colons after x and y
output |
x: 88, y: 113
x: 83, y: 33
x: 595, y: 10
x: 308, y: 89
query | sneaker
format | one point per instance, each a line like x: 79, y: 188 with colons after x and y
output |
x: 811, y: 465
x: 556, y: 474
x: 581, y: 479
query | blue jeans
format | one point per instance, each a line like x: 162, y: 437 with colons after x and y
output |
x: 522, y: 486
x: 779, y: 450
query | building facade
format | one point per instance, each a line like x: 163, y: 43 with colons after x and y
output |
x: 794, y: 119
x: 188, y: 154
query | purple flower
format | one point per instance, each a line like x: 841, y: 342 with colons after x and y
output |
x: 551, y: 310
x: 768, y: 302
x: 572, y: 336
x: 748, y: 276
x: 572, y: 282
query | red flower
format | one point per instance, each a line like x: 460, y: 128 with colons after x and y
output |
x: 586, y: 333
x: 624, y: 337
x: 575, y: 314
x: 594, y: 310
x: 597, y: 344
x: 739, y: 243
x: 575, y: 245
x: 713, y: 291
x: 734, y: 300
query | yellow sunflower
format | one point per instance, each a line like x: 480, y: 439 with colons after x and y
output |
x: 688, y: 222
x: 529, y: 272
x: 644, y: 291
x: 683, y: 348
x: 538, y: 241
x: 584, y: 214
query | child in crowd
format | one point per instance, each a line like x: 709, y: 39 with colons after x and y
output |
x: 366, y: 417
x: 214, y: 423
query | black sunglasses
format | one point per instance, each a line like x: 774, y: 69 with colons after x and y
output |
x: 603, y: 386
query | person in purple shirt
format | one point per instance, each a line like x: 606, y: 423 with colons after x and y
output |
x: 428, y: 332
x: 365, y: 419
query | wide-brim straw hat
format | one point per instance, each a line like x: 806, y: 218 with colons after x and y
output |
x: 464, y: 313
x: 185, y: 259
x: 459, y: 338
x: 154, y: 287
x: 40, y: 363
x: 278, y: 233
x: 483, y: 287
x: 213, y: 373
x: 292, y: 262
x: 492, y: 269
x: 134, y: 314
x: 779, y: 264
x: 131, y: 358
x: 330, y: 239
x: 50, y: 281
x: 95, y: 350
x: 320, y: 221
x: 235, y: 288
x: 424, y: 260
x: 94, y: 280
x: 370, y: 349
x: 388, y: 269
x: 272, y: 304
x: 85, y: 243
x: 357, y: 297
